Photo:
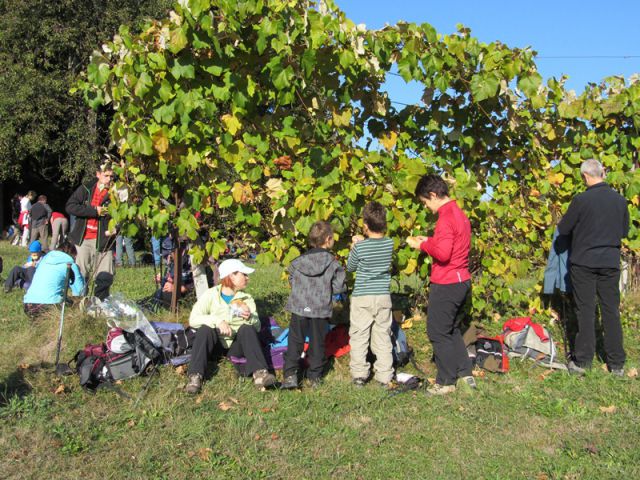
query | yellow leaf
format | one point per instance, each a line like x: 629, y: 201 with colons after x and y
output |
x: 236, y: 192
x: 224, y: 406
x: 556, y: 178
x: 609, y: 409
x: 343, y: 119
x: 160, y: 142
x: 632, y: 373
x: 411, y: 266
x: 274, y: 188
x: 61, y: 389
x: 635, y: 200
x: 389, y: 140
x: 232, y: 123
x: 203, y: 453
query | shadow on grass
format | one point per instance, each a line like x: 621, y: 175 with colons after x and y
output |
x: 271, y: 304
x: 14, y: 385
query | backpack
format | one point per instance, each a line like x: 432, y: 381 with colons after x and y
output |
x: 176, y: 341
x: 491, y: 354
x: 402, y: 352
x: 526, y: 339
x: 97, y: 366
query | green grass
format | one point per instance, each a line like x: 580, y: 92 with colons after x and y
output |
x: 520, y: 425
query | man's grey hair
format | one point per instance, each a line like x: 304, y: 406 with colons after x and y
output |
x: 593, y: 168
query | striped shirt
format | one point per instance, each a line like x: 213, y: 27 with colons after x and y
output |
x: 371, y: 260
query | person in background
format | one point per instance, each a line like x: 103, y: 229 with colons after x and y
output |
x: 226, y: 322
x: 47, y: 287
x: 40, y: 218
x: 59, y: 229
x: 128, y: 246
x: 450, y: 283
x: 597, y: 220
x: 315, y: 276
x: 90, y: 232
x: 25, y: 209
x: 21, y: 276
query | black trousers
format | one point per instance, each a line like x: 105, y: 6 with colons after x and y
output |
x: 316, y: 330
x: 443, y: 329
x: 589, y: 283
x: 207, y: 345
x: 18, y: 276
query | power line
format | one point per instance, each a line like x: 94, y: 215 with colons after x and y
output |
x: 586, y: 57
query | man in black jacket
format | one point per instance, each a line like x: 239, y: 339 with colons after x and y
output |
x: 40, y: 217
x: 597, y: 220
x: 90, y: 233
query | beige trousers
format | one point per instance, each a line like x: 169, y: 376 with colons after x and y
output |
x: 91, y: 261
x: 371, y: 326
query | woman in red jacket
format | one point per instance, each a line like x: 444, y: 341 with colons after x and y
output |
x: 450, y: 283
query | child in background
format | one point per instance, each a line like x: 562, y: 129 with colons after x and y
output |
x: 315, y: 276
x: 370, y: 312
x: 21, y: 277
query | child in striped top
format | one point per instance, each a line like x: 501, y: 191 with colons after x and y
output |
x: 370, y: 315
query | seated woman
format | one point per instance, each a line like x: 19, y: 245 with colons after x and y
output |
x: 47, y: 287
x: 227, y: 322
x: 20, y: 277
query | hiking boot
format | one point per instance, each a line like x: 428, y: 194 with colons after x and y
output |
x: 618, y: 372
x: 437, y: 389
x: 574, y: 369
x: 195, y: 384
x: 468, y: 381
x: 290, y: 383
x: 263, y: 379
x: 359, y: 382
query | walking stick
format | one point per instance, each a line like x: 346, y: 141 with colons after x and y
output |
x: 63, y: 369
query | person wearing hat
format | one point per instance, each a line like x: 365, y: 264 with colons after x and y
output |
x: 20, y: 277
x: 226, y: 321
x: 90, y: 232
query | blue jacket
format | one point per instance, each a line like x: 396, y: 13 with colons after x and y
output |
x: 48, y: 281
x: 556, y: 275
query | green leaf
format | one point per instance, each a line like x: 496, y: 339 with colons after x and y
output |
x: 282, y: 78
x: 484, y: 86
x: 182, y: 70
x: 177, y: 39
x: 143, y: 84
x: 529, y: 84
x: 140, y: 143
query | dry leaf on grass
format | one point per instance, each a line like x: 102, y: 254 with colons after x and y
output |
x: 431, y: 380
x: 266, y: 410
x: 274, y: 436
x: 257, y: 437
x: 24, y: 366
x: 199, y: 400
x: 545, y: 374
x: 604, y: 367
x: 131, y: 423
x: 478, y: 373
x: 609, y: 409
x: 632, y: 373
x: 204, y: 453
x: 224, y: 406
x: 234, y: 400
x: 181, y: 370
x: 542, y: 476
x: 60, y: 389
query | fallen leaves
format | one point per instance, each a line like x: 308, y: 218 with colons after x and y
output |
x: 478, y: 373
x: 60, y: 389
x: 182, y: 369
x: 609, y: 409
x: 545, y: 374
x: 632, y: 373
x: 202, y: 453
x: 225, y: 406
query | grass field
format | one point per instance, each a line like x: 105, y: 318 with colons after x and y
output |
x: 529, y: 423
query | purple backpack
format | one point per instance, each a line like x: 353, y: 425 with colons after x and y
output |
x: 274, y: 341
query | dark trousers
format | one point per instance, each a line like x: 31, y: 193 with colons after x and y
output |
x: 18, y: 277
x: 443, y: 329
x: 589, y: 283
x: 316, y: 330
x: 207, y: 345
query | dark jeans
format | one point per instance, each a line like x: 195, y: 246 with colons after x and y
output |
x: 316, y: 330
x: 207, y: 345
x: 19, y: 277
x: 589, y: 283
x: 443, y: 330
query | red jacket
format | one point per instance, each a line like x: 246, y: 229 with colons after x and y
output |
x: 449, y: 247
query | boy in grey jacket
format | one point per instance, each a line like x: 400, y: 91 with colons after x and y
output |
x: 315, y: 276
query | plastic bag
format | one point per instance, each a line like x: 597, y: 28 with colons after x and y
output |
x: 125, y: 314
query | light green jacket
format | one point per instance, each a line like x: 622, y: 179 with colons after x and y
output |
x: 211, y: 310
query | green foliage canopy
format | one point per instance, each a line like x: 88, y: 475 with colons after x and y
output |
x: 263, y: 116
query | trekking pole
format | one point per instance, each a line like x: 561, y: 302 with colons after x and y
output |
x: 146, y: 385
x: 63, y: 369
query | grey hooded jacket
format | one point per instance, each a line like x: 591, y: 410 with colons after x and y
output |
x: 315, y: 276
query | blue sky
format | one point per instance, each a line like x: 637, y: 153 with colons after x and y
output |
x: 560, y: 28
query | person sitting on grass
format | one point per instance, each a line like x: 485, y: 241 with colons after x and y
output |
x: 226, y: 322
x: 21, y: 276
x: 314, y: 277
x: 48, y: 284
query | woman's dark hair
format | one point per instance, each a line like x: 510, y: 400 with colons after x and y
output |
x: 318, y: 233
x: 432, y: 183
x: 374, y: 216
x: 68, y: 248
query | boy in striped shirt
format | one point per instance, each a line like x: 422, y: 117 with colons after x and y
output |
x: 370, y: 312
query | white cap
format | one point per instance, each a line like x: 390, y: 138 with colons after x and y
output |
x: 233, y: 265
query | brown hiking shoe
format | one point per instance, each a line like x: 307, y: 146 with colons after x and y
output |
x: 437, y: 389
x: 263, y: 379
x: 195, y: 384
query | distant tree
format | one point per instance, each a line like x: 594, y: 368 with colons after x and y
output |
x: 46, y: 132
